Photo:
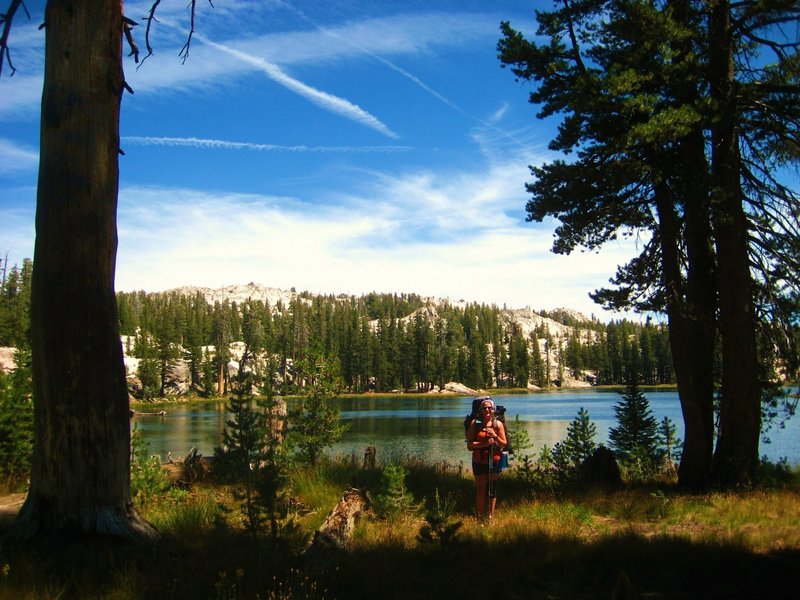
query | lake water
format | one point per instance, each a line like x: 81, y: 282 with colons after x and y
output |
x: 431, y: 428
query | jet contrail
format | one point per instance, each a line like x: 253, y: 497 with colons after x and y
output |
x: 194, y: 142
x: 327, y: 101
x: 410, y: 76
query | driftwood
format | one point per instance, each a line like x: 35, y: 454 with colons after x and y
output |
x: 161, y: 413
x: 336, y: 531
x: 182, y: 473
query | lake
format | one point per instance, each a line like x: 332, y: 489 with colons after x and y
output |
x: 431, y: 427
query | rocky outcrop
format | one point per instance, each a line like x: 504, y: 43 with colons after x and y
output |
x: 454, y: 387
x: 7, y: 359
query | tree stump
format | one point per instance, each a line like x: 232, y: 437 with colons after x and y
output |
x: 182, y: 473
x: 369, y: 457
x: 336, y: 531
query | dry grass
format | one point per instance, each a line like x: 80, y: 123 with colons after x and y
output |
x: 643, y: 542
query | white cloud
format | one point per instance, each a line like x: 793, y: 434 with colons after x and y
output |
x: 17, y: 159
x: 431, y: 234
x: 17, y: 223
x: 21, y: 96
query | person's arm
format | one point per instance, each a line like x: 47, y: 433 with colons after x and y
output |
x: 471, y: 435
x: 472, y: 442
x: 501, y: 434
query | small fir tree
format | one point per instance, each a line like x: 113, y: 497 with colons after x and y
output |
x: 314, y: 425
x: 518, y: 439
x: 440, y: 526
x: 669, y: 442
x: 579, y: 445
x: 393, y: 499
x: 635, y: 439
x: 250, y: 456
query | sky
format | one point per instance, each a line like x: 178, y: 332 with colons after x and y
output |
x: 334, y: 147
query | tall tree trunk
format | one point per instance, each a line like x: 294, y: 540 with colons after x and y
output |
x: 698, y: 322
x: 691, y: 343
x: 736, y: 454
x: 80, y: 479
x: 691, y: 300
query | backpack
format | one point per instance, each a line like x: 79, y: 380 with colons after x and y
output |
x: 499, y: 414
x: 475, y: 415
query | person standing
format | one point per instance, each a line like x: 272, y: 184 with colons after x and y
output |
x: 486, y: 438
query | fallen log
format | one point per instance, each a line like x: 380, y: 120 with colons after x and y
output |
x: 336, y: 531
x: 161, y: 413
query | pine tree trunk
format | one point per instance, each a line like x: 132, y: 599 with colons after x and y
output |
x: 691, y: 340
x: 80, y: 480
x: 736, y: 454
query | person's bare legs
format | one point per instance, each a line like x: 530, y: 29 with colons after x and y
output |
x: 481, y: 491
x: 493, y: 499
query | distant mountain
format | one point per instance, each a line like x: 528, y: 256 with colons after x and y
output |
x: 526, y: 318
x: 238, y: 293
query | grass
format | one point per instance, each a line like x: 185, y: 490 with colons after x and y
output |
x: 648, y: 541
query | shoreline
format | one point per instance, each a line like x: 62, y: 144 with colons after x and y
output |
x: 149, y: 406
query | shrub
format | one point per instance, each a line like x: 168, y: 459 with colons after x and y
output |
x: 439, y: 524
x: 148, y: 479
x: 393, y: 499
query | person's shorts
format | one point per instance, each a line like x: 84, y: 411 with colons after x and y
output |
x: 482, y: 468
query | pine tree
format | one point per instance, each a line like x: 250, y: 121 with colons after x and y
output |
x: 315, y: 424
x: 250, y: 455
x: 635, y: 439
x: 577, y: 447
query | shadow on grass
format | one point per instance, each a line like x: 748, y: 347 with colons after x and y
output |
x: 224, y: 564
x: 540, y: 566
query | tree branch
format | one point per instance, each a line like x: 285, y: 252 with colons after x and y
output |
x: 6, y: 20
x: 184, y: 53
x: 151, y: 18
x: 127, y: 27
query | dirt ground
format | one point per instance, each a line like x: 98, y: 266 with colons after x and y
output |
x: 9, y: 507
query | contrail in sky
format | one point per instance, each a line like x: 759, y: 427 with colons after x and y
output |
x: 410, y: 76
x: 194, y: 142
x: 327, y: 101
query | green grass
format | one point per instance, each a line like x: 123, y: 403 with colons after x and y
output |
x: 565, y: 543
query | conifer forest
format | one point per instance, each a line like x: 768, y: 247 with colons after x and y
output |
x: 381, y: 342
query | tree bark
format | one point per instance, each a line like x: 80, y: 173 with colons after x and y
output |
x: 690, y: 298
x: 80, y: 479
x: 691, y: 341
x: 736, y: 454
x: 698, y: 323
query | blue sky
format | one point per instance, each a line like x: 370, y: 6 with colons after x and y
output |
x: 334, y: 147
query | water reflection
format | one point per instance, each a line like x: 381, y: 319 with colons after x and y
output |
x: 433, y: 428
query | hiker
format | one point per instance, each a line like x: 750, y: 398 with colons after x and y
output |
x: 486, y: 438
